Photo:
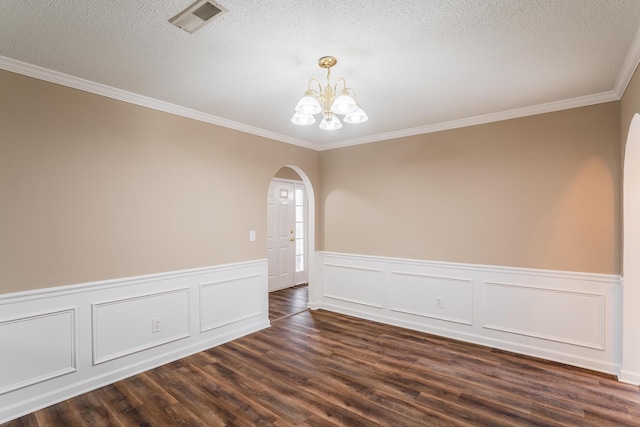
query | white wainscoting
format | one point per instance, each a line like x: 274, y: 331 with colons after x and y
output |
x: 366, y: 284
x: 49, y: 354
x: 136, y: 315
x: 57, y: 343
x: 241, y: 302
x: 568, y: 317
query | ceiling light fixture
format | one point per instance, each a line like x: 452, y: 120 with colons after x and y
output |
x: 329, y: 102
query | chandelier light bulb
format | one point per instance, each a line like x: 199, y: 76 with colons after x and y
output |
x: 328, y: 101
x: 330, y: 122
x: 302, y: 119
x: 309, y: 104
x: 357, y: 117
x: 344, y: 104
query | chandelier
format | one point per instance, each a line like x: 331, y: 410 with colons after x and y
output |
x: 329, y: 102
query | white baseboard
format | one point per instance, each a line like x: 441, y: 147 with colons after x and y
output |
x: 61, y: 342
x: 314, y: 306
x: 629, y: 377
x: 567, y: 317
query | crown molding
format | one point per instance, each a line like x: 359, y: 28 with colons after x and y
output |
x: 626, y: 73
x: 533, y: 110
x: 624, y: 77
x: 628, y: 67
x: 56, y: 77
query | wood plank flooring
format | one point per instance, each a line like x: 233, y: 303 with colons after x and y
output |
x: 325, y: 369
x: 289, y: 301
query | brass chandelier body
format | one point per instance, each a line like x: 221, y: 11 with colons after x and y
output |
x: 329, y: 102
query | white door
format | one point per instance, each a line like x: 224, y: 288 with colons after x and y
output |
x: 281, y: 234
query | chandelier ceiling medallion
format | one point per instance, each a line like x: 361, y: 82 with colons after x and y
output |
x: 328, y: 102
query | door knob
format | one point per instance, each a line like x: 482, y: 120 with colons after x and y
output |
x: 293, y: 239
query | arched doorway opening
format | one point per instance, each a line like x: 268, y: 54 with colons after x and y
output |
x: 630, y: 370
x: 291, y: 231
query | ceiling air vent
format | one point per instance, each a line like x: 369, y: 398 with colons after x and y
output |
x: 197, y: 15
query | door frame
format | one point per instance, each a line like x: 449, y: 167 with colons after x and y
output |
x: 630, y: 363
x: 314, y: 288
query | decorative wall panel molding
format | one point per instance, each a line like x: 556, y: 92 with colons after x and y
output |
x: 126, y: 326
x: 60, y: 342
x: 37, y: 348
x: 229, y: 301
x: 354, y: 284
x: 552, y: 314
x: 568, y: 317
x: 444, y: 298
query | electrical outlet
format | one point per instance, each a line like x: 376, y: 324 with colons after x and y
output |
x: 155, y: 325
x: 438, y: 302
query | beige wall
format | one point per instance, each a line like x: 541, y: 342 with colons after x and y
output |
x: 287, y: 173
x: 540, y: 191
x: 93, y: 188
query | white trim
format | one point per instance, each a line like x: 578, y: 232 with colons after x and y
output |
x: 593, y: 345
x: 12, y: 298
x: 143, y: 101
x: 312, y: 274
x: 559, y: 274
x: 73, y: 350
x: 528, y: 350
x: 629, y: 377
x: 431, y: 276
x: 565, y: 104
x: 36, y: 402
x: 222, y: 282
x: 598, y: 345
x: 129, y: 351
x: 41, y: 73
x: 349, y: 299
x: 137, y: 349
x: 202, y: 286
x: 629, y: 67
x: 429, y: 315
x: 352, y: 267
x: 353, y: 301
x: 631, y: 253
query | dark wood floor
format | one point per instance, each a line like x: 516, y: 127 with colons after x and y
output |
x: 324, y: 369
x: 287, y: 302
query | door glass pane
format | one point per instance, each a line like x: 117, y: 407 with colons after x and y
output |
x: 299, y: 201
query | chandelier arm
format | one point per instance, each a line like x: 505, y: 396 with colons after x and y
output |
x: 311, y: 80
x: 322, y: 100
x: 344, y: 84
x: 353, y: 93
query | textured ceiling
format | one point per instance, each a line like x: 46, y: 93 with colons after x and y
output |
x: 416, y: 66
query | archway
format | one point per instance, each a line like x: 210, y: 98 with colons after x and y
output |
x: 630, y: 370
x: 310, y: 221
